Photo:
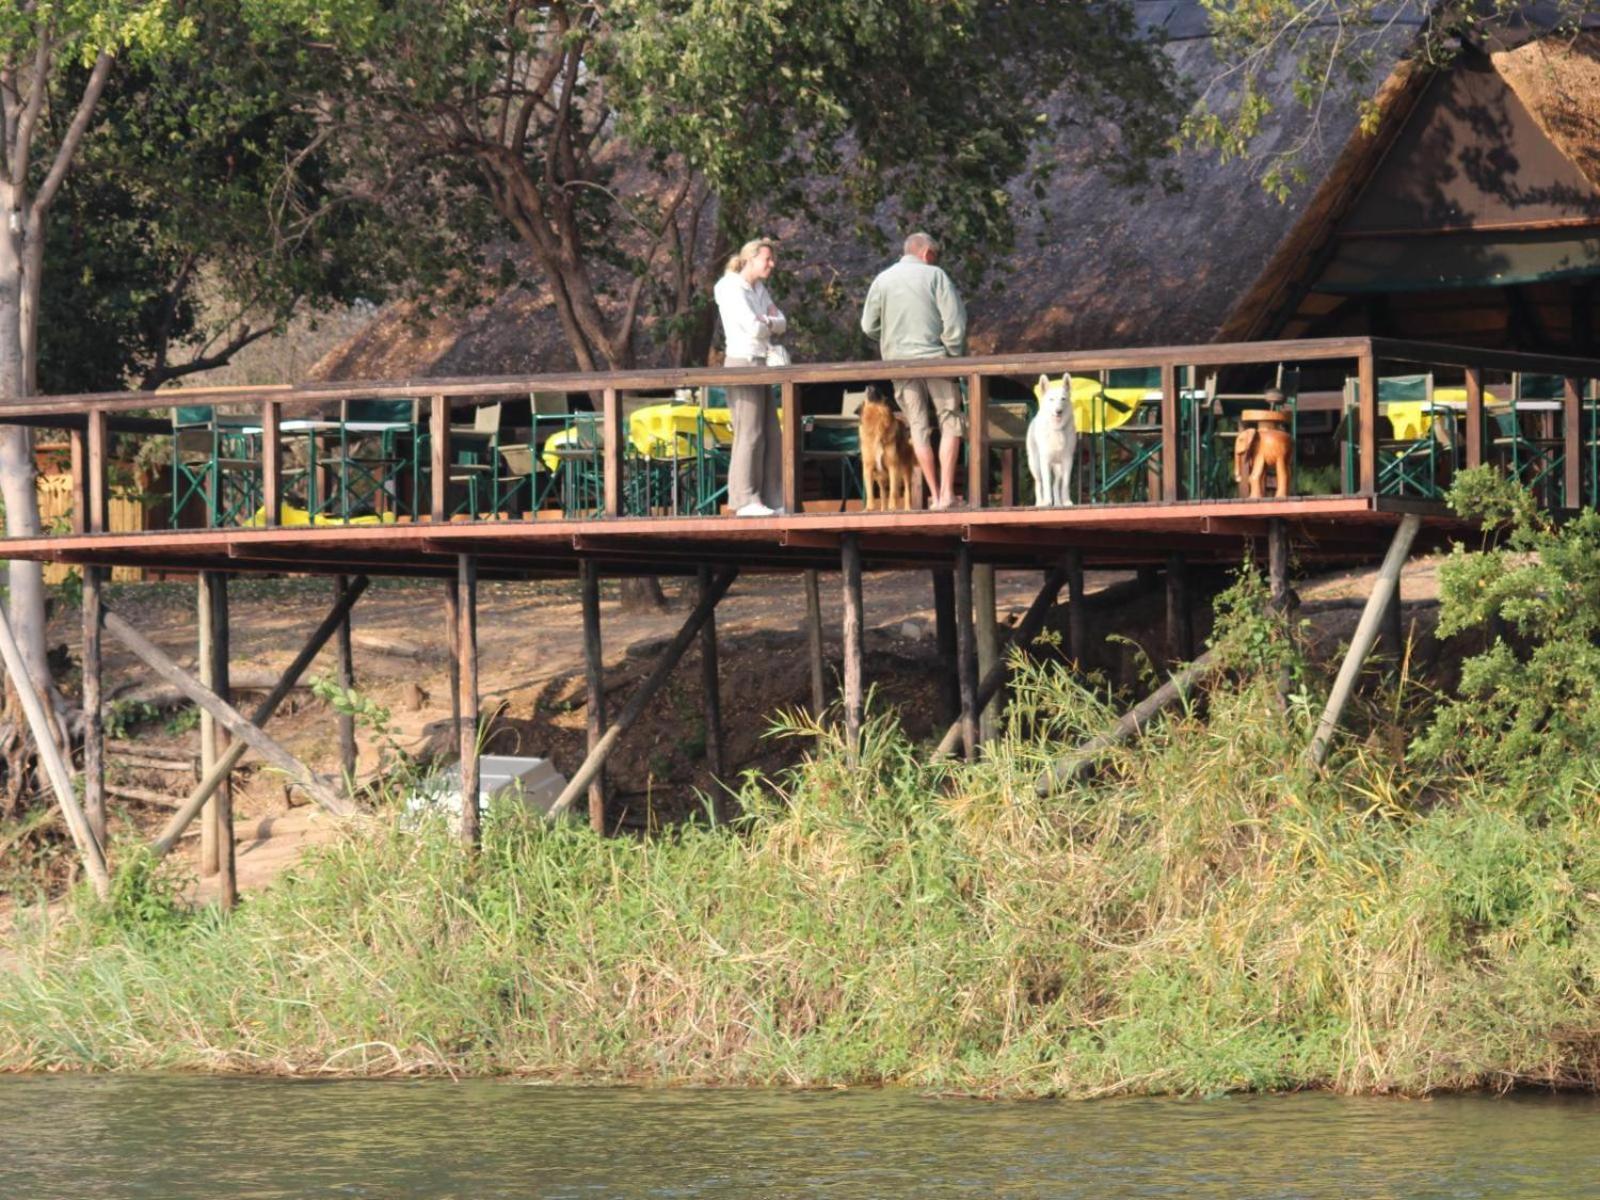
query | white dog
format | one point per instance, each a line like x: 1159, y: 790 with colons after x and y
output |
x: 1053, y: 443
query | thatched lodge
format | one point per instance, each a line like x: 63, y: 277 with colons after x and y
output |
x: 1465, y: 209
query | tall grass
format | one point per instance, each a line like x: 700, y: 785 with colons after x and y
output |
x: 1207, y: 915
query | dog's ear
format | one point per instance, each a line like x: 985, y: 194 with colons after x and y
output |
x: 1043, y: 386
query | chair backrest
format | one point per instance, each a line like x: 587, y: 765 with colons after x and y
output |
x: 549, y: 404
x: 1401, y: 388
x: 190, y: 416
x: 852, y: 403
x: 486, y: 418
x: 403, y: 411
x: 1536, y: 387
x: 1134, y: 377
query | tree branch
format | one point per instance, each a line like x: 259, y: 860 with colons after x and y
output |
x: 163, y: 373
x: 38, y: 88
x: 74, y: 135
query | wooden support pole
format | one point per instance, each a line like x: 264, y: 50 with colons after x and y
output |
x: 452, y: 637
x: 1367, y: 427
x: 1572, y: 442
x: 793, y: 465
x: 944, y: 631
x: 214, y: 654
x: 439, y: 459
x: 1077, y: 612
x: 1027, y: 629
x: 272, y: 463
x: 55, y: 767
x: 1366, y: 633
x: 1278, y: 562
x: 347, y: 681
x: 259, y: 718
x: 713, y: 698
x: 1474, y: 432
x: 977, y: 440
x: 205, y: 634
x: 613, y: 446
x: 231, y: 719
x: 1180, y: 623
x: 467, y: 650
x: 1171, y: 467
x: 97, y: 438
x: 988, y: 637
x: 1080, y: 762
x: 594, y: 687
x: 851, y: 636
x: 94, y: 760
x: 966, y: 653
x: 819, y: 691
x: 1392, y: 633
x: 652, y: 684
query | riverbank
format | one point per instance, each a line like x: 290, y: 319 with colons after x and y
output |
x: 1207, y: 915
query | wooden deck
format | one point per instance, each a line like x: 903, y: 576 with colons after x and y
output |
x: 1321, y: 528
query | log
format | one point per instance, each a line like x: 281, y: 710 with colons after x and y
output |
x: 89, y: 849
x: 262, y: 714
x: 144, y: 796
x: 1081, y: 762
x: 230, y: 718
x: 631, y: 711
x: 144, y: 762
x: 159, y: 694
x: 393, y: 647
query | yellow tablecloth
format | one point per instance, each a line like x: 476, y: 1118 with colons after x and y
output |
x: 291, y: 516
x: 1412, y: 419
x: 651, y: 431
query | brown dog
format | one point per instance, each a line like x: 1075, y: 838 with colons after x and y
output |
x: 887, y: 460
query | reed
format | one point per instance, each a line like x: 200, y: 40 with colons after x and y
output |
x: 1206, y: 915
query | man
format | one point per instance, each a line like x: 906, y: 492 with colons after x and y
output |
x: 914, y: 311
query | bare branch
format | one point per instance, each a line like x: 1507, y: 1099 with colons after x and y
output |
x: 69, y: 141
x: 38, y: 89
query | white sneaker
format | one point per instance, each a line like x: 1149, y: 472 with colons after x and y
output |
x: 754, y: 509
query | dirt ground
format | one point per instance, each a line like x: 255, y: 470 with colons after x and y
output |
x: 530, y: 667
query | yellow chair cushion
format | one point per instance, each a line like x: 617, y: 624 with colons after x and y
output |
x: 292, y: 516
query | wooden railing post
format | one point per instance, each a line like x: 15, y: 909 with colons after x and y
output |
x: 1572, y: 442
x: 439, y: 458
x: 1367, y: 429
x: 793, y: 436
x: 1474, y: 379
x: 977, y: 440
x: 76, y: 439
x: 95, y: 468
x: 1170, y: 466
x: 271, y: 463
x: 613, y: 444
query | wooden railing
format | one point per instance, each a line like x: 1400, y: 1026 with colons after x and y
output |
x: 91, y: 419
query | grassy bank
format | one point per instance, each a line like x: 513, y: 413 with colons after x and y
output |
x: 1207, y: 915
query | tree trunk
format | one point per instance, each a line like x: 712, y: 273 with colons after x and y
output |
x: 643, y: 594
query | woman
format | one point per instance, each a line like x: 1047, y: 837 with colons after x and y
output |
x: 750, y: 322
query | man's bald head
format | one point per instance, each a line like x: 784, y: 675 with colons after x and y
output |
x: 921, y: 245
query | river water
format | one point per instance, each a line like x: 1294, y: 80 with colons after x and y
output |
x: 174, y: 1138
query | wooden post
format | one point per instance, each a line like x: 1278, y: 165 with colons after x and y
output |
x: 1171, y: 467
x: 272, y: 463
x: 1572, y: 442
x: 1180, y: 623
x: 262, y: 714
x: 966, y: 652
x: 793, y: 462
x: 1008, y: 476
x: 977, y: 440
x: 214, y: 654
x: 854, y: 700
x: 55, y: 767
x: 988, y: 638
x: 944, y: 629
x: 77, y: 441
x: 1028, y: 629
x: 347, y: 681
x: 1077, y: 612
x: 94, y: 763
x: 713, y: 699
x: 613, y: 447
x: 452, y: 637
x: 439, y: 459
x: 467, y: 649
x: 636, y: 703
x: 97, y: 438
x: 1366, y: 633
x: 205, y: 631
x: 819, y: 693
x: 594, y: 687
x: 230, y: 718
x: 1278, y: 562
x: 1392, y: 633
x: 1474, y: 431
x: 1367, y: 430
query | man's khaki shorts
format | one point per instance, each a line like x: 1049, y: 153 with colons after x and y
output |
x: 922, y: 399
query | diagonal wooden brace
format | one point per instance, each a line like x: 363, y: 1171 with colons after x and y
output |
x: 652, y: 684
x: 229, y: 717
x: 196, y: 800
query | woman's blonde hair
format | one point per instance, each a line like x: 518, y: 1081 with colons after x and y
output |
x: 747, y: 252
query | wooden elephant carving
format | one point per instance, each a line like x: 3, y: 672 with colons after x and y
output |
x: 1254, y: 452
